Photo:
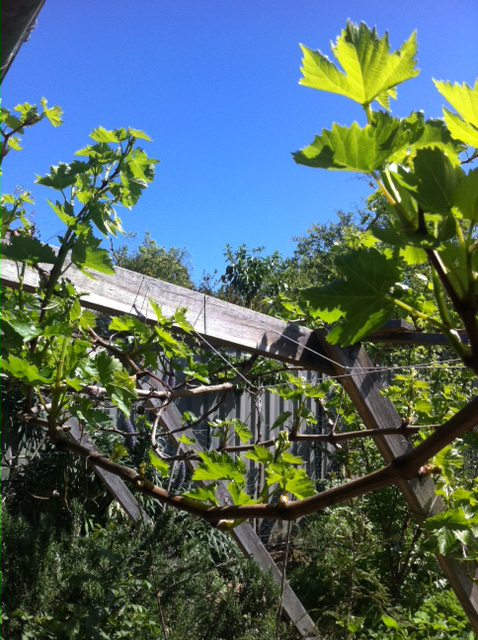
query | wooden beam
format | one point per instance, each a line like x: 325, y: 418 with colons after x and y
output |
x: 377, y: 412
x: 218, y: 322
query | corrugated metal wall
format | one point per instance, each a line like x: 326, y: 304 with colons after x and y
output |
x: 259, y: 414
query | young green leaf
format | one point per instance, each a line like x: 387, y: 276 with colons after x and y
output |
x: 158, y: 463
x: 54, y: 114
x: 23, y: 370
x: 88, y: 255
x: 371, y: 72
x: 219, y: 466
x: 353, y: 148
x: 464, y: 125
x: 259, y: 454
x: 239, y: 497
x: 203, y: 494
x: 102, y: 135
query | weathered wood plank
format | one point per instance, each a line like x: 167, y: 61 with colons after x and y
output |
x: 244, y: 535
x: 412, y: 338
x: 115, y: 485
x: 126, y: 292
x: 378, y: 412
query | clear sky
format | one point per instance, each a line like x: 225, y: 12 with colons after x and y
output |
x: 215, y: 84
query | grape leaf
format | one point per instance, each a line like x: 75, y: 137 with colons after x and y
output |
x: 259, y: 454
x: 203, y: 494
x: 29, y: 250
x: 23, y: 370
x: 465, y: 196
x: 371, y: 72
x: 219, y: 466
x: 359, y: 298
x: 102, y: 135
x: 464, y: 99
x: 239, y: 497
x: 436, y: 181
x: 353, y: 148
x: 88, y: 255
x: 160, y: 465
x: 63, y: 175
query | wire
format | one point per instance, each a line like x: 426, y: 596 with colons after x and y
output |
x: 251, y: 387
x: 350, y: 371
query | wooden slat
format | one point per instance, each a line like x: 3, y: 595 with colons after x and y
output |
x: 126, y: 292
x: 113, y: 483
x: 377, y: 412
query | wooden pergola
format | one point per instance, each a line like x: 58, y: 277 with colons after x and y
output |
x: 227, y: 325
x: 224, y: 324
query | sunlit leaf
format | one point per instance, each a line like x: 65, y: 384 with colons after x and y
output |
x: 63, y: 175
x: 22, y: 370
x: 370, y: 71
x: 88, y: 255
x: 464, y: 100
x: 29, y: 250
x: 465, y: 196
x: 219, y: 466
x: 239, y: 497
x: 352, y: 148
x: 102, y: 135
x: 259, y: 454
x: 290, y: 458
x: 158, y: 463
x: 203, y: 494
x: 140, y: 135
x: 360, y: 297
x: 300, y: 486
x: 54, y: 114
x: 22, y: 323
x: 436, y: 180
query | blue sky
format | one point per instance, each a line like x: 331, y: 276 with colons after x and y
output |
x: 215, y: 84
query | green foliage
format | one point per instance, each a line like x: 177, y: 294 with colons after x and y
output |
x: 13, y: 125
x: 371, y: 71
x: 365, y: 270
x: 354, y: 562
x: 152, y: 260
x: 417, y: 259
x: 71, y: 576
x: 431, y: 201
x: 249, y: 277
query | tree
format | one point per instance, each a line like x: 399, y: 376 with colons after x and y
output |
x: 250, y: 278
x: 170, y: 265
